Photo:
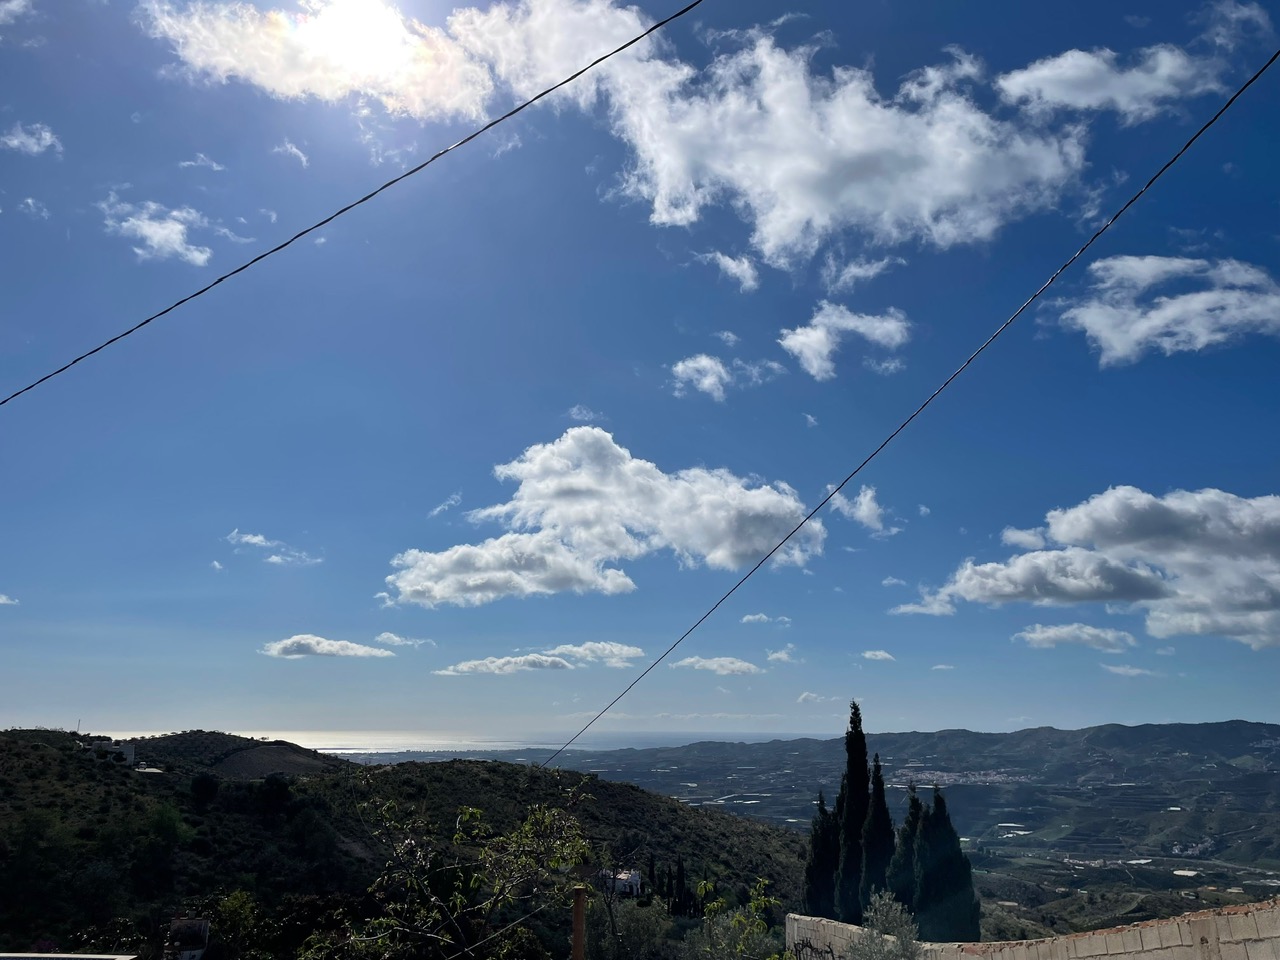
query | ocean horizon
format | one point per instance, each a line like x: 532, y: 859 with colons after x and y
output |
x: 398, y: 741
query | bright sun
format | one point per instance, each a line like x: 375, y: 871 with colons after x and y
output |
x: 362, y: 38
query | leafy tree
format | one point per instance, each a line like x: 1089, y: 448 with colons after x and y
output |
x: 823, y: 859
x: 901, y: 876
x: 851, y: 809
x: 889, y: 932
x: 877, y: 839
x: 741, y: 934
x: 946, y: 906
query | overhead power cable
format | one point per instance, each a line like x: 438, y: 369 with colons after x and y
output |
x: 928, y: 400
x: 351, y: 206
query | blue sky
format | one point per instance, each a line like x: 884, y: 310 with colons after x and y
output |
x: 470, y: 456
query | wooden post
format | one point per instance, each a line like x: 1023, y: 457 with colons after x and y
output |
x: 579, y: 923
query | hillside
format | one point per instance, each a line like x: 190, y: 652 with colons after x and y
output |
x: 96, y: 850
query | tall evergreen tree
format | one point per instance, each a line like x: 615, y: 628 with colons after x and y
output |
x: 945, y: 904
x: 902, y: 868
x: 853, y: 815
x: 877, y: 839
x: 820, y: 867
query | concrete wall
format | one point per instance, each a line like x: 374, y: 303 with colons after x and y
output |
x: 1247, y: 932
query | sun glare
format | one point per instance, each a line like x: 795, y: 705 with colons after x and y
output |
x: 362, y: 38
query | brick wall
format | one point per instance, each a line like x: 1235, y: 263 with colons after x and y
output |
x: 1246, y: 932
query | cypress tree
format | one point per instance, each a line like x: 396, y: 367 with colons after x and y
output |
x: 820, y: 867
x: 877, y: 839
x: 902, y: 868
x: 853, y: 815
x: 946, y: 906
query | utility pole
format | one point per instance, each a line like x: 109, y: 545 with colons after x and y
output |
x: 579, y: 923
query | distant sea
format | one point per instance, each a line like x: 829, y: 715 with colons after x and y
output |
x: 397, y: 741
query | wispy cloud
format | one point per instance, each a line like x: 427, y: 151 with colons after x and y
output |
x: 810, y: 420
x: 765, y: 618
x: 202, y: 161
x: 11, y: 10
x: 7, y: 601
x: 308, y: 645
x: 393, y: 640
x: 1124, y: 670
x: 290, y: 150
x: 31, y: 140
x: 714, y: 377
x: 728, y: 338
x: 877, y: 655
x: 448, y: 503
x: 1107, y: 640
x: 808, y: 697
x: 723, y: 666
x: 815, y: 344
x: 281, y: 555
x: 503, y: 666
x: 892, y: 582
x: 34, y: 209
x: 741, y: 269
x: 161, y: 232
x: 216, y: 566
x: 584, y: 414
x: 842, y: 278
x: 942, y: 666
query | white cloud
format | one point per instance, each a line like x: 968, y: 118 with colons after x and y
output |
x: 161, y: 232
x: 611, y: 653
x: 710, y: 375
x: 332, y: 50
x: 1127, y: 671
x: 584, y: 414
x: 1044, y: 637
x: 810, y: 420
x: 505, y: 665
x: 289, y: 149
x: 723, y: 666
x: 728, y: 338
x: 216, y: 566
x: 1230, y: 21
x: 34, y: 209
x: 448, y: 503
x: 877, y: 655
x: 269, y: 214
x: 923, y: 510
x: 1156, y: 80
x: 765, y: 618
x: 815, y: 345
x: 783, y: 655
x: 741, y: 269
x: 202, y: 161
x: 886, y: 367
x: 866, y: 510
x: 394, y: 640
x: 32, y: 140
x: 282, y: 554
x: 12, y: 10
x: 892, y: 582
x: 942, y: 666
x: 1203, y: 562
x: 7, y: 601
x: 307, y: 645
x: 584, y: 503
x: 1024, y: 539
x: 1124, y: 316
x: 842, y: 279
x: 1167, y: 651
x: 808, y: 697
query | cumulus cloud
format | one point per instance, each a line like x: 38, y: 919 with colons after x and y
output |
x: 712, y: 376
x: 877, y: 655
x: 1155, y: 81
x: 394, y: 640
x: 308, y: 645
x: 765, y: 618
x: 584, y: 414
x: 1130, y: 310
x: 1044, y: 637
x: 332, y: 50
x: 864, y: 509
x: 816, y: 344
x: 448, y: 503
x: 842, y: 278
x: 741, y: 269
x: 1025, y: 539
x: 1127, y: 671
x: 609, y: 652
x: 1203, y: 562
x: 583, y: 504
x: 7, y: 601
x: 783, y: 655
x: 505, y: 665
x: 279, y: 554
x: 33, y: 208
x: 202, y: 161
x: 289, y: 149
x: 161, y: 233
x: 31, y: 140
x: 724, y: 666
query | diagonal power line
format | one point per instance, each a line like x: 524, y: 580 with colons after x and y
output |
x: 928, y: 400
x: 351, y: 206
